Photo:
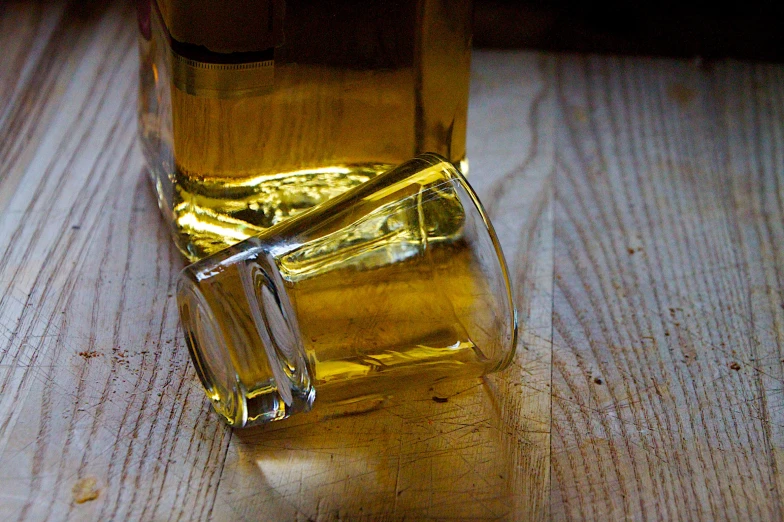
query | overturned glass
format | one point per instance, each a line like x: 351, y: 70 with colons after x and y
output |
x: 399, y: 281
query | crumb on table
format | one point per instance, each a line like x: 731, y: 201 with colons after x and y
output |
x: 85, y: 490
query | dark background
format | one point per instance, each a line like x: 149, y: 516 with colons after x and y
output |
x: 747, y: 30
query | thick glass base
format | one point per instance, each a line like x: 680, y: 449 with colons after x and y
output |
x: 247, y: 355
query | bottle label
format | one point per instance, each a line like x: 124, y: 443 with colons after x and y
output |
x: 219, y: 51
x: 222, y: 80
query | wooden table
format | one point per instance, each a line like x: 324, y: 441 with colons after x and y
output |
x: 640, y: 203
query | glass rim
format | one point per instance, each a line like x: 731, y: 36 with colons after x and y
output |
x: 499, y: 257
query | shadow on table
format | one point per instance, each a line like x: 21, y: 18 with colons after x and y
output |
x: 431, y: 452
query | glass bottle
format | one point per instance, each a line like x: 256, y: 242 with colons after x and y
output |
x: 399, y: 281
x: 253, y: 111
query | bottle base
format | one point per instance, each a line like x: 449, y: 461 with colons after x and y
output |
x: 214, y: 213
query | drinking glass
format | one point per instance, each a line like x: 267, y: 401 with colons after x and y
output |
x: 396, y: 283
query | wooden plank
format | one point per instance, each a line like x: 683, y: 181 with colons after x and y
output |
x: 98, y: 400
x: 753, y: 98
x: 95, y: 383
x: 513, y: 128
x: 658, y: 405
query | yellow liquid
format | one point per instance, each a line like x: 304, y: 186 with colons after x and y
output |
x: 344, y: 91
x: 384, y: 293
x: 366, y: 335
x: 376, y: 332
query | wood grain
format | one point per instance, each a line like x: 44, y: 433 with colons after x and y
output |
x: 753, y: 98
x: 102, y: 415
x: 95, y: 380
x: 667, y: 305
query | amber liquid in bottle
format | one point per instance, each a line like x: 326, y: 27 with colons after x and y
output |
x: 250, y: 114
